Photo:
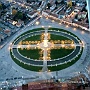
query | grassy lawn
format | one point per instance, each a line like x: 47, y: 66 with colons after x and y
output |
x: 51, y: 68
x: 33, y: 54
x: 65, y: 65
x: 64, y: 31
x: 26, y: 66
x: 55, y: 53
x: 52, y: 37
x: 57, y: 37
x: 59, y: 53
x: 37, y: 29
x: 33, y: 38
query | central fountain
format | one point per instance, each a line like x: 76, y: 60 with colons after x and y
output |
x: 45, y: 43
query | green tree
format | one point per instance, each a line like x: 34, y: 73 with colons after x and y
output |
x: 69, y: 4
x: 19, y: 15
x: 48, y: 5
x: 14, y: 12
x: 0, y: 6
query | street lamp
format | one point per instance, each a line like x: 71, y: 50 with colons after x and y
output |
x: 37, y: 23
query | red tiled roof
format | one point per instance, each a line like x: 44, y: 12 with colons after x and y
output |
x: 6, y: 31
